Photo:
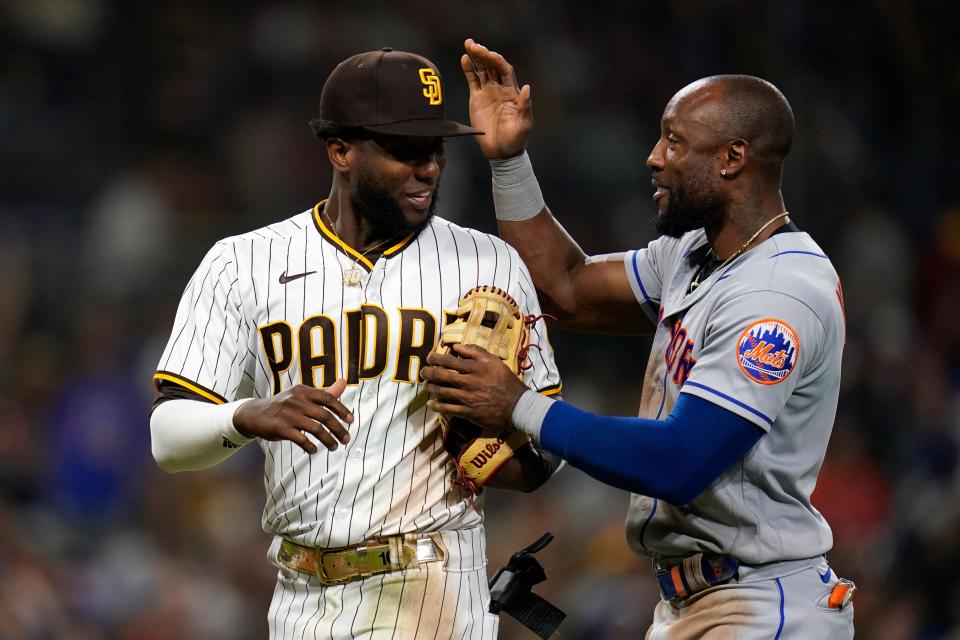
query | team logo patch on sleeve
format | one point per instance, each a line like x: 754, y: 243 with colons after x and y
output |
x: 767, y: 351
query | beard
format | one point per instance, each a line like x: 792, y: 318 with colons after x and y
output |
x: 695, y: 206
x: 374, y: 203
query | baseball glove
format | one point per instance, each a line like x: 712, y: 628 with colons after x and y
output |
x: 489, y: 318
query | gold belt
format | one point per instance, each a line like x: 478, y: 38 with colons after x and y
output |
x: 370, y: 557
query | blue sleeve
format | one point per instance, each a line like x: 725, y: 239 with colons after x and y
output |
x: 673, y: 459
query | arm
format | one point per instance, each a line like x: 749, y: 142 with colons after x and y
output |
x: 674, y: 459
x: 581, y: 292
x: 528, y: 469
x: 191, y: 434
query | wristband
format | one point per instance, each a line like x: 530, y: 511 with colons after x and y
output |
x: 529, y: 412
x: 516, y: 193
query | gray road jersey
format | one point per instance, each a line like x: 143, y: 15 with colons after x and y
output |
x: 761, y: 337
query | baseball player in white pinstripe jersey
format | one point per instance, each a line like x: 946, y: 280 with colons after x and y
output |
x: 742, y: 383
x: 308, y: 335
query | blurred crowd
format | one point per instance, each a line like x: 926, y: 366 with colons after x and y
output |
x: 135, y: 134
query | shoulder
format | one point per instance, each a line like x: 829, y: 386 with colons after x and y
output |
x: 800, y: 268
x: 259, y: 244
x: 667, y: 250
x: 241, y: 253
x: 282, y: 230
x: 790, y: 266
x: 470, y: 239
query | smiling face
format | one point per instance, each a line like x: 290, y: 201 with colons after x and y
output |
x: 396, y: 181
x: 688, y: 188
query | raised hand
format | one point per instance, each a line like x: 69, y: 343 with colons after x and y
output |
x: 295, y: 412
x: 497, y: 106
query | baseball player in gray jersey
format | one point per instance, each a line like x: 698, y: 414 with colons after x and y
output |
x: 741, y: 387
x: 307, y: 336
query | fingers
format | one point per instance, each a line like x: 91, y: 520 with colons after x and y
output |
x: 472, y: 352
x: 448, y: 409
x: 336, y: 389
x: 319, y: 423
x: 523, y: 98
x: 299, y: 438
x: 490, y: 66
x: 439, y: 375
x: 447, y: 361
x: 470, y: 71
x: 329, y: 398
x: 323, y: 421
x: 504, y: 69
x: 447, y: 394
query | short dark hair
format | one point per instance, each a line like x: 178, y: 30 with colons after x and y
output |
x: 324, y: 129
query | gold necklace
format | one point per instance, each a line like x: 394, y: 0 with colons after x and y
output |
x: 353, y: 277
x: 696, y: 279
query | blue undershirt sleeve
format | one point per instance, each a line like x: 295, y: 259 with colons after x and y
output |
x: 673, y: 459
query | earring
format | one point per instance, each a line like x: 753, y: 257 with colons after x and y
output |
x: 723, y: 172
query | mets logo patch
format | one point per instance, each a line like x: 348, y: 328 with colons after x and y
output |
x: 767, y: 351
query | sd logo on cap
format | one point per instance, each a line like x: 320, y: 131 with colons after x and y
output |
x: 389, y: 92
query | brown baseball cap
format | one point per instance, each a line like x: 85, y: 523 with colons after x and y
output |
x: 389, y: 92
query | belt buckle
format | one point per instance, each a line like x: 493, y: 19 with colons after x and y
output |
x: 658, y: 567
x: 321, y: 572
x: 427, y: 551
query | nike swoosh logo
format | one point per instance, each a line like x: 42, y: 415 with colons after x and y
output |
x: 825, y: 577
x: 284, y: 278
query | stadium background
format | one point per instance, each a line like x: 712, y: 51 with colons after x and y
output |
x: 136, y: 134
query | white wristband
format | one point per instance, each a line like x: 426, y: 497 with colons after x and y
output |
x: 516, y: 193
x: 529, y: 412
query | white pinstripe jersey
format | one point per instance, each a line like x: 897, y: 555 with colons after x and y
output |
x: 270, y: 309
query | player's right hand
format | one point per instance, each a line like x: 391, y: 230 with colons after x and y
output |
x: 295, y: 412
x: 497, y: 107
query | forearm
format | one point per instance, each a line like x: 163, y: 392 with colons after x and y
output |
x: 191, y: 434
x: 528, y: 470
x: 525, y: 223
x: 674, y: 459
x: 553, y: 258
x: 580, y: 292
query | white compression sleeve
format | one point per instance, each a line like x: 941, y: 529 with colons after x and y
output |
x: 190, y: 434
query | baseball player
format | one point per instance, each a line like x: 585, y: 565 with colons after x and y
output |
x: 307, y: 337
x: 741, y: 386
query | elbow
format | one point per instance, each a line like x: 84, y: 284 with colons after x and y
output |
x: 562, y: 312
x: 535, y: 483
x: 164, y: 461
x: 162, y: 450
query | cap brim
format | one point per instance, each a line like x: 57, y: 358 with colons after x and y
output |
x: 427, y: 127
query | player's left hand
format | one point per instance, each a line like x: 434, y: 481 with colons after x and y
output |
x: 497, y: 106
x: 477, y: 386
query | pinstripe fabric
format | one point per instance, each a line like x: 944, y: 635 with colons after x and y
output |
x: 394, y: 475
x: 432, y: 602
